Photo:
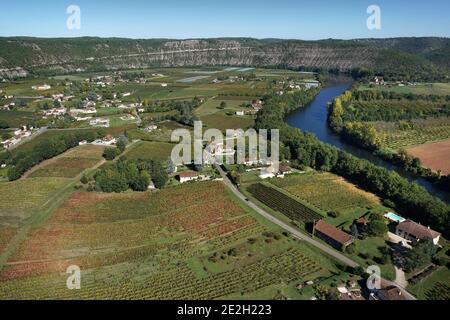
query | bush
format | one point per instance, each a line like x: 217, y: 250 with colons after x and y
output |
x: 111, y: 153
x: 333, y: 214
x: 350, y: 249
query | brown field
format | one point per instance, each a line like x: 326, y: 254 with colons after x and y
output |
x: 434, y: 155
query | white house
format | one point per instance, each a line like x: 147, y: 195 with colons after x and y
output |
x: 240, y: 113
x: 413, y: 231
x: 100, y: 122
x: 187, y: 176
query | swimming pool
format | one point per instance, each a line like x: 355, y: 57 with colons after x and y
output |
x: 394, y: 217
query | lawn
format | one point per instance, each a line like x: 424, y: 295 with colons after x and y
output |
x: 193, y: 241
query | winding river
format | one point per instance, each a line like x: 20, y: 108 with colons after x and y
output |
x: 313, y: 119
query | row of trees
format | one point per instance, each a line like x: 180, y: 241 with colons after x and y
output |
x: 410, y: 199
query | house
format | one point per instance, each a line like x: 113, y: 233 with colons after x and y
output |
x: 362, y: 222
x: 126, y: 94
x: 41, y: 87
x: 333, y: 236
x: 127, y: 117
x: 106, y: 141
x: 187, y: 176
x: 55, y: 112
x: 163, y: 84
x: 284, y: 170
x: 388, y: 293
x: 240, y: 113
x: 151, y: 186
x: 151, y: 128
x: 100, y: 122
x: 266, y: 173
x: 379, y: 81
x: 413, y: 231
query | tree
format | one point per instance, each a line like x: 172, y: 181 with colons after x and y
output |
x: 377, y: 228
x: 111, y: 153
x: 420, y: 255
x: 354, y: 230
x: 3, y: 124
x: 223, y: 105
x: 122, y: 143
x: 142, y: 182
x: 159, y: 174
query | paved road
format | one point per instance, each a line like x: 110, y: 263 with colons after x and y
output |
x: 300, y: 235
x: 295, y: 232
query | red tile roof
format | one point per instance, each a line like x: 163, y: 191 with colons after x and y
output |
x: 332, y: 232
x: 417, y: 230
x: 188, y: 174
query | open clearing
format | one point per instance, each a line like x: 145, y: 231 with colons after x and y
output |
x: 149, y: 150
x: 192, y: 241
x: 434, y: 155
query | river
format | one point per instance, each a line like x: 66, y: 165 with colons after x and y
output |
x: 313, y: 119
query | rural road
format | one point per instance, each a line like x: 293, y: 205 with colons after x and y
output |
x: 295, y: 232
x: 300, y: 235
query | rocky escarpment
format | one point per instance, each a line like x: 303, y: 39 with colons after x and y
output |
x: 68, y: 55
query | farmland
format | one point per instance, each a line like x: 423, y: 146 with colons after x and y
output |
x: 326, y: 191
x: 276, y: 200
x: 422, y: 89
x: 412, y: 133
x: 186, y: 244
x: 149, y: 150
x: 434, y: 155
x: 17, y: 206
x: 70, y: 164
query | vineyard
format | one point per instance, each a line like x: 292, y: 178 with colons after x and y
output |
x: 175, y: 282
x: 69, y: 164
x: 278, y: 201
x: 326, y: 191
x: 415, y: 132
x: 20, y: 199
x: 153, y: 245
x: 440, y: 291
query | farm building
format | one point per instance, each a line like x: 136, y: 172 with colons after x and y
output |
x: 41, y: 87
x: 333, y: 236
x: 187, y: 176
x: 388, y: 293
x: 413, y: 231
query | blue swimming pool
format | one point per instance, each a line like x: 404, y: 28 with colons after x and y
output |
x: 394, y: 217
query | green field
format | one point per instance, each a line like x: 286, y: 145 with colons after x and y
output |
x: 147, y: 150
x: 15, y: 118
x: 429, y: 288
x: 224, y: 122
x: 426, y: 89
